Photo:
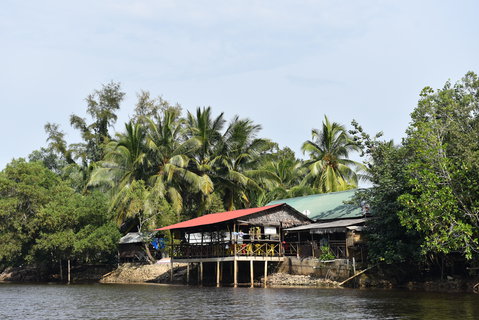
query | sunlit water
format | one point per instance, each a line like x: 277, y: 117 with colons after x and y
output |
x: 96, y: 301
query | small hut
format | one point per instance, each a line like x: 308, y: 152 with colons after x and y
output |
x: 131, y: 248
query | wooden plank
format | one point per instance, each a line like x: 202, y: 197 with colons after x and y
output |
x: 357, y: 274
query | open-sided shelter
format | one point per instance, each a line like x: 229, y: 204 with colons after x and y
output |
x: 254, y: 234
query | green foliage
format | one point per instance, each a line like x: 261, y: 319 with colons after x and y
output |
x: 44, y: 220
x: 425, y: 195
x: 443, y: 141
x: 329, y: 168
x: 326, y: 254
x: 25, y: 188
x: 388, y: 240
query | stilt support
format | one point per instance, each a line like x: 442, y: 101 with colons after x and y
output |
x: 201, y: 273
x: 188, y: 273
x: 265, y: 273
x: 235, y: 272
x: 217, y: 273
x: 69, y: 272
x: 251, y: 273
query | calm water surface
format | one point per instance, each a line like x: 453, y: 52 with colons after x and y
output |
x: 96, y: 301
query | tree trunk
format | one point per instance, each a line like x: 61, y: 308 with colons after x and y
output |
x: 151, y: 260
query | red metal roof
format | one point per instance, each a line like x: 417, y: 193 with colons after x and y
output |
x: 217, y: 217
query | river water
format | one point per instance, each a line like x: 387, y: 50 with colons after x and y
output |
x: 102, y: 301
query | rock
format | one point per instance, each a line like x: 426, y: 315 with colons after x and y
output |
x: 284, y: 279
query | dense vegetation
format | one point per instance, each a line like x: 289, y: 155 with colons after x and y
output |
x: 74, y: 200
x: 426, y: 190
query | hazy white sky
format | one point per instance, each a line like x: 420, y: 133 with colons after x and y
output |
x: 283, y: 64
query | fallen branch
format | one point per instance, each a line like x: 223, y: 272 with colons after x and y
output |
x: 357, y: 274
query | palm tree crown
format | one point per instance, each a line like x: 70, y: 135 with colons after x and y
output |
x: 329, y: 167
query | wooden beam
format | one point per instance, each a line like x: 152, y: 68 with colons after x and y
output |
x: 188, y: 273
x: 357, y: 274
x: 201, y: 273
x: 217, y: 273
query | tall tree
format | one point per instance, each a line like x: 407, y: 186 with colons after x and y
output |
x: 328, y: 164
x: 237, y: 173
x: 170, y: 153
x: 443, y: 140
x: 102, y: 107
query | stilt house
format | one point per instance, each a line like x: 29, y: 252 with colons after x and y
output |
x: 248, y: 235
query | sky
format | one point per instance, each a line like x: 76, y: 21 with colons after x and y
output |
x: 283, y: 64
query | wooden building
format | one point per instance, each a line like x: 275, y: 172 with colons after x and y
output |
x: 343, y: 238
x: 250, y: 236
x: 338, y: 224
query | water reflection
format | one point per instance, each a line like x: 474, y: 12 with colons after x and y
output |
x: 97, y: 301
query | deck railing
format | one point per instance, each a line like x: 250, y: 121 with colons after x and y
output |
x: 212, y: 250
x: 261, y: 249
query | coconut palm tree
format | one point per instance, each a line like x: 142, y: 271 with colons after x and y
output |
x: 329, y: 168
x: 237, y: 172
x: 170, y: 159
x: 124, y: 163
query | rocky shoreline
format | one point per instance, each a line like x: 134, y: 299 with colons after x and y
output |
x: 285, y: 279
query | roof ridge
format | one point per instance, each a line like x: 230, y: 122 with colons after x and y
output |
x: 319, y: 194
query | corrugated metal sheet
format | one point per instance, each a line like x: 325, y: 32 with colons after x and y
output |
x: 333, y: 224
x: 325, y: 206
x: 131, y: 237
x: 217, y: 217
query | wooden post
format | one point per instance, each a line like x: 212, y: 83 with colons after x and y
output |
x: 188, y: 273
x: 69, y: 274
x: 201, y: 250
x: 265, y: 272
x: 217, y: 273
x: 171, y: 269
x: 201, y: 273
x: 299, y: 245
x: 235, y: 272
x: 234, y: 239
x: 61, y: 271
x: 188, y: 250
x: 251, y: 273
x: 280, y: 249
x: 222, y: 265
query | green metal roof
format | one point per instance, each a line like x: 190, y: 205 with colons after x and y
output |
x: 325, y: 206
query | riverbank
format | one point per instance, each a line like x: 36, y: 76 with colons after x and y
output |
x: 160, y: 273
x: 138, y: 273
